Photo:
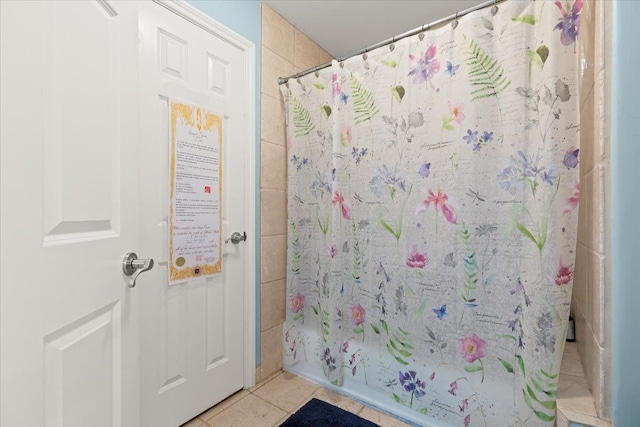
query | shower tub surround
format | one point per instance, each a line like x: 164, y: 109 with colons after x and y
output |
x: 433, y: 193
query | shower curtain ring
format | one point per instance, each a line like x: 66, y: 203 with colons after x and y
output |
x: 494, y: 9
x: 392, y: 45
x: 421, y: 35
x: 454, y: 24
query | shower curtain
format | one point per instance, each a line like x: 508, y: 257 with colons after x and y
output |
x: 432, y: 195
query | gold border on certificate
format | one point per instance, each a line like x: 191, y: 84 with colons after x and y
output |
x: 196, y: 119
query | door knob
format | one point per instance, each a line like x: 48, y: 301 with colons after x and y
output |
x: 237, y: 237
x: 132, y: 266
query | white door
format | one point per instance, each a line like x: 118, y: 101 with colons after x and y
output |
x: 193, y: 339
x: 69, y: 213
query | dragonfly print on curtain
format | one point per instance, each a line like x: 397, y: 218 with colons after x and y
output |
x: 433, y: 191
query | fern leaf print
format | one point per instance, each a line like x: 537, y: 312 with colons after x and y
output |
x: 485, y: 73
x: 301, y: 119
x: 364, y: 104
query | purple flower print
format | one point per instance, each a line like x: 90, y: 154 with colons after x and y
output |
x: 570, y: 159
x: 411, y: 383
x: 472, y: 136
x: 426, y: 67
x: 425, y: 170
x: 328, y: 360
x: 487, y: 136
x: 569, y: 24
x: 454, y: 388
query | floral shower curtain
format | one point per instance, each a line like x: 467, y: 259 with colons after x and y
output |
x: 433, y: 192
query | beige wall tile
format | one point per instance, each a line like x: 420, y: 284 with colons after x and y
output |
x: 272, y: 120
x: 273, y: 264
x: 272, y: 304
x: 277, y: 33
x: 271, y: 351
x: 273, y: 66
x: 306, y: 52
x: 273, y: 166
x: 273, y: 212
x: 581, y: 332
x: 588, y: 141
x: 598, y: 209
x: 596, y: 273
x: 324, y: 56
x: 584, y: 226
x: 580, y: 278
x: 258, y: 375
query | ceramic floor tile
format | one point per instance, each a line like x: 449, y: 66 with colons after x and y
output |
x: 211, y: 412
x: 287, y: 391
x: 264, y: 381
x: 383, y: 420
x: 196, y: 422
x: 336, y: 399
x: 571, y: 364
x: 249, y: 411
x: 574, y: 394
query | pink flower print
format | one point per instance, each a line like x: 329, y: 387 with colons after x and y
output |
x: 467, y: 420
x: 426, y: 67
x: 336, y: 84
x: 569, y: 24
x: 439, y: 200
x: 564, y: 274
x: 346, y: 136
x: 297, y: 302
x: 338, y: 200
x: 472, y: 348
x: 417, y: 259
x: 345, y: 347
x: 465, y: 405
x: 357, y: 315
x: 454, y: 388
x: 333, y: 251
x: 456, y: 112
x: 433, y: 376
x: 574, y: 200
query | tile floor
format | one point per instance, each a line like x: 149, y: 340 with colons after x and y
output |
x: 273, y: 400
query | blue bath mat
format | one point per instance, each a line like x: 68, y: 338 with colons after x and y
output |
x: 318, y: 413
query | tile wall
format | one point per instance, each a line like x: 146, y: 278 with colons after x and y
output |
x: 591, y: 290
x: 285, y: 51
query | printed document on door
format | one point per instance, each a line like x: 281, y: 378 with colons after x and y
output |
x: 196, y: 185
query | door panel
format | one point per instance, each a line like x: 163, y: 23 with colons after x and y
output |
x: 81, y: 98
x: 192, y: 337
x: 69, y: 213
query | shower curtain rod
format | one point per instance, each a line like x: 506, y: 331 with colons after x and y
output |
x: 426, y: 27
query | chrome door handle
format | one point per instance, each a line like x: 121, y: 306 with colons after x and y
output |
x: 132, y: 266
x: 237, y: 237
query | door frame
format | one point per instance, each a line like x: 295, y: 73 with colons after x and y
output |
x: 207, y: 23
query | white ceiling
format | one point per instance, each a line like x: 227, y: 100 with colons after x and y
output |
x: 342, y: 27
